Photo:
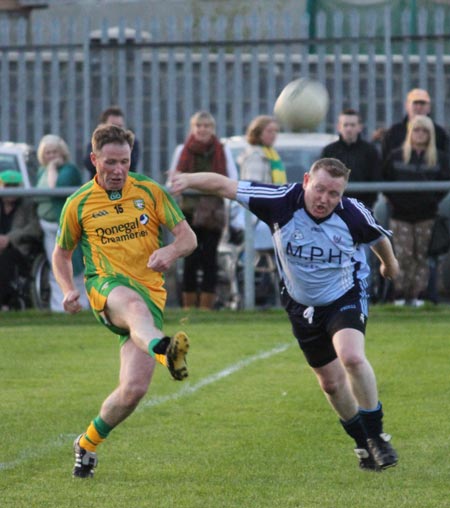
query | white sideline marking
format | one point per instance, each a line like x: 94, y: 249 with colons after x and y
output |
x: 188, y: 389
x: 38, y: 451
x: 45, y: 448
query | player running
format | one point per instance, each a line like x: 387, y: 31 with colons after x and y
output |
x: 318, y: 236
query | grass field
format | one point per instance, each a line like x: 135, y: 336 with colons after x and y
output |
x: 249, y: 429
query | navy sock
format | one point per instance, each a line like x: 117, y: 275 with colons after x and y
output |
x: 373, y: 420
x: 355, y: 429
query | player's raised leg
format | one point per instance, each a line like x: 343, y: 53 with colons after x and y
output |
x: 131, y: 311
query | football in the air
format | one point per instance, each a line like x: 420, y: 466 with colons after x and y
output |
x: 302, y: 105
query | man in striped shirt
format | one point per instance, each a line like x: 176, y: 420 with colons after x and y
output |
x: 318, y: 236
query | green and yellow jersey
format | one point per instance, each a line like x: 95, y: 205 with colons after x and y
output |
x: 118, y: 231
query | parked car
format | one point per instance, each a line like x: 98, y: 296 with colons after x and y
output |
x: 297, y: 150
x: 20, y: 157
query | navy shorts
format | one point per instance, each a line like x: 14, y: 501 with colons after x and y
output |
x: 315, y: 338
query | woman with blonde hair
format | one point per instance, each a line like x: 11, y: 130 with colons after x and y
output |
x: 202, y: 151
x: 412, y: 214
x: 56, y: 170
x: 421, y: 124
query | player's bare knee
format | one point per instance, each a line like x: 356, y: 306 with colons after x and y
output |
x: 331, y: 386
x: 353, y: 361
x: 136, y: 307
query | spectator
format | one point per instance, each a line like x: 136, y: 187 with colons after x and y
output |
x: 260, y: 162
x: 115, y: 116
x: 20, y: 234
x: 202, y: 151
x: 358, y: 155
x: 55, y: 171
x: 418, y: 102
x: 364, y: 161
x: 413, y: 213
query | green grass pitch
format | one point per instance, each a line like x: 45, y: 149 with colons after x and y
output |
x: 249, y: 428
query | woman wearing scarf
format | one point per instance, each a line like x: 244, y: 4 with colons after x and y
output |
x: 202, y: 151
x: 260, y: 162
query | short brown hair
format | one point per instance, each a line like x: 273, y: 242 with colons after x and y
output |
x: 351, y: 112
x: 256, y: 127
x: 111, y: 111
x: 333, y: 167
x: 105, y: 134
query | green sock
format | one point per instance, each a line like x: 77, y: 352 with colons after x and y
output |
x: 102, y: 427
x: 152, y: 344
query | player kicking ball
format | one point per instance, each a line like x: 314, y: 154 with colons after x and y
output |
x: 318, y: 235
x: 116, y: 218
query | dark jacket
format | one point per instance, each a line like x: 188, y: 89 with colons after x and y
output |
x: 363, y: 159
x: 91, y: 168
x: 396, y: 135
x: 414, y: 206
x: 22, y: 226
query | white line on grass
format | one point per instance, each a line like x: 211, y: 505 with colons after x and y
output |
x: 38, y: 451
x: 188, y: 389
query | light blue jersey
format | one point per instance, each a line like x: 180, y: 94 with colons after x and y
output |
x: 318, y: 260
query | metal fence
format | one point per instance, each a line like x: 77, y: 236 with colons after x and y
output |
x: 161, y: 74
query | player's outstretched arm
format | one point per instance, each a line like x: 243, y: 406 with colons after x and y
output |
x: 210, y: 183
x: 389, y: 264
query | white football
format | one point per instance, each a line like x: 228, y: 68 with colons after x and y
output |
x: 302, y: 105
